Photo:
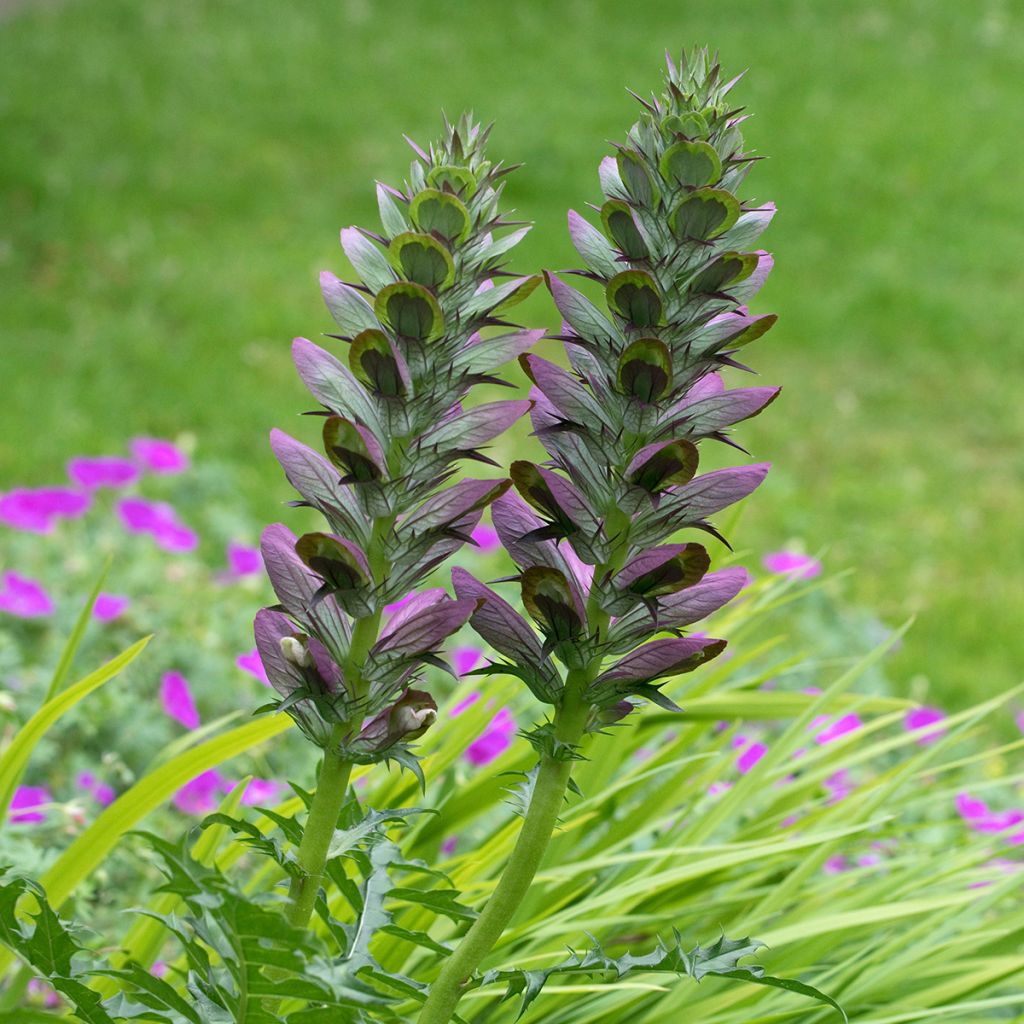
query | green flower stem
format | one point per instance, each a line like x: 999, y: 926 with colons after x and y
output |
x: 332, y: 785
x: 316, y: 839
x: 541, y: 818
x: 534, y: 837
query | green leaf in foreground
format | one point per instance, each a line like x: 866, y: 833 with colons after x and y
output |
x: 721, y: 959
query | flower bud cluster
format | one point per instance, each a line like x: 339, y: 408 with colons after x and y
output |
x: 421, y: 327
x: 594, y: 529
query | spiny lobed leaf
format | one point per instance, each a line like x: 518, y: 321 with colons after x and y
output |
x: 720, y: 958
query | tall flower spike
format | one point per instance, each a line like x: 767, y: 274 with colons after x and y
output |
x: 590, y: 530
x: 623, y: 426
x: 409, y: 349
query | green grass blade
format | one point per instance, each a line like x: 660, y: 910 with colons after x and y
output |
x: 88, y: 851
x: 16, y: 757
x: 75, y: 639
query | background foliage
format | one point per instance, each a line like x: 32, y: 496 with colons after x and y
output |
x: 173, y: 177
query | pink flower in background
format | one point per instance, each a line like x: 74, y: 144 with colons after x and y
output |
x: 158, y: 456
x: 977, y: 815
x: 105, y: 471
x: 244, y: 561
x: 159, y: 969
x: 99, y: 791
x: 24, y: 597
x: 493, y: 741
x: 839, y: 786
x: 159, y: 520
x: 466, y: 702
x: 40, y: 991
x: 109, y: 607
x: 203, y: 794
x: 840, y: 727
x: 176, y: 537
x: 465, y: 659
x: 251, y: 663
x: 104, y: 794
x: 176, y: 699
x: 36, y: 509
x: 25, y: 803
x: 835, y: 865
x: 486, y: 538
x: 449, y: 846
x: 749, y: 757
x: 970, y: 808
x: 262, y: 791
x: 924, y: 718
x: 717, y: 788
x: 789, y: 563
x: 1020, y: 721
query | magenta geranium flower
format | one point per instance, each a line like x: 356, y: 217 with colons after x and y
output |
x: 791, y: 563
x: 840, y: 727
x: 749, y: 757
x: 176, y: 698
x: 243, y: 561
x: 159, y: 520
x: 37, y: 509
x: 466, y: 702
x: 26, y: 804
x: 24, y: 597
x: 465, y: 659
x: 252, y: 663
x: 493, y: 741
x: 203, y: 794
x: 104, y: 471
x: 262, y: 791
x: 92, y: 786
x: 835, y: 865
x: 158, y: 456
x: 486, y: 538
x: 109, y: 606
x: 925, y: 718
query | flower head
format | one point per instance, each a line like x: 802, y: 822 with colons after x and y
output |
x: 750, y: 755
x: 251, y: 663
x: 160, y: 521
x: 158, y: 456
x: 493, y: 741
x: 243, y: 561
x: 27, y: 803
x: 24, y: 597
x: 110, y: 606
x: 176, y: 698
x: 925, y: 718
x: 105, y: 471
x: 791, y: 563
x: 38, y: 509
x: 202, y: 794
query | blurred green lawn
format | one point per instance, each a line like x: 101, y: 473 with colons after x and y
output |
x: 173, y: 176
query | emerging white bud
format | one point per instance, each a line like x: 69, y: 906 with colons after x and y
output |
x: 408, y: 719
x: 295, y: 651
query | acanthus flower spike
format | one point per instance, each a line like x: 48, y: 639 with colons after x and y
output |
x: 593, y: 531
x: 424, y: 324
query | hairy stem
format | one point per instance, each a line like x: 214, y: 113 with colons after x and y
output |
x: 332, y: 785
x: 534, y: 837
x: 331, y: 788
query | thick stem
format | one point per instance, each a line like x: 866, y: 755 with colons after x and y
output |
x: 534, y: 837
x: 332, y: 784
x: 331, y: 788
